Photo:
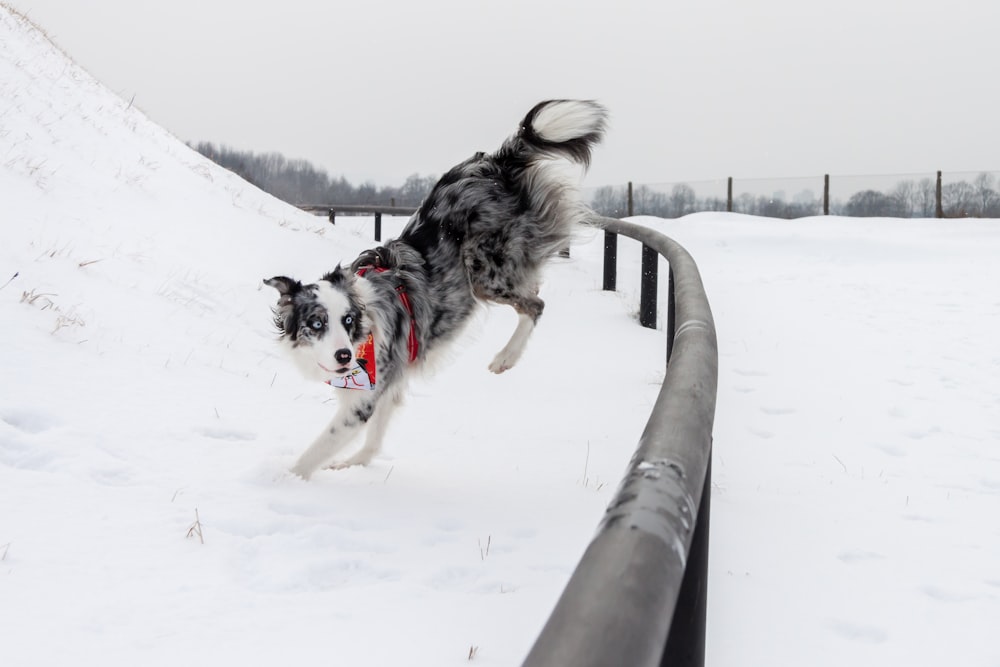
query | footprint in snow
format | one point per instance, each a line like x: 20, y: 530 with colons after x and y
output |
x: 891, y: 450
x: 943, y: 595
x: 921, y: 433
x: 28, y: 421
x: 750, y: 373
x: 227, y: 434
x: 867, y: 634
x: 859, y: 556
x: 777, y: 412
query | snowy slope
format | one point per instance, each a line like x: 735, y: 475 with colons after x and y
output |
x: 857, y: 474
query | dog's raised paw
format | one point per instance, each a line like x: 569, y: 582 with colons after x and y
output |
x: 504, y: 361
x: 499, y: 367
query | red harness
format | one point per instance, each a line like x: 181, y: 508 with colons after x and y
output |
x: 412, y: 345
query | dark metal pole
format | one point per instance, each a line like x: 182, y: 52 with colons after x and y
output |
x: 333, y: 217
x: 671, y: 316
x: 826, y: 194
x: 729, y: 196
x: 686, y: 640
x: 939, y: 208
x: 647, y: 292
x: 631, y: 208
x: 610, y: 261
x: 378, y: 227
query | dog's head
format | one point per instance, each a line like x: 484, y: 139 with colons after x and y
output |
x: 322, y: 323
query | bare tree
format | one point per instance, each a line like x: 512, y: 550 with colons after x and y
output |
x: 610, y: 201
x: 985, y: 193
x: 904, y: 199
x: 647, y: 201
x: 926, y: 198
x: 869, y: 204
x: 682, y: 199
x: 958, y: 200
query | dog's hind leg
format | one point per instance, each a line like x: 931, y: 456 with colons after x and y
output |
x: 354, y: 412
x: 529, y: 309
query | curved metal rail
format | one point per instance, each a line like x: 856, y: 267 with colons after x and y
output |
x: 638, y: 595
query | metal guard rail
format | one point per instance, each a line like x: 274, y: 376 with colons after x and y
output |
x: 638, y: 595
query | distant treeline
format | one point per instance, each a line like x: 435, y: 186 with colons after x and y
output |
x: 298, y: 182
x: 908, y: 199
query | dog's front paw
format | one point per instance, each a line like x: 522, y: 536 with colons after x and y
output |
x: 300, y: 471
x: 356, y: 460
x: 504, y: 361
x: 498, y: 367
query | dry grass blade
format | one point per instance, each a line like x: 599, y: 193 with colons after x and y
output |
x: 195, y: 528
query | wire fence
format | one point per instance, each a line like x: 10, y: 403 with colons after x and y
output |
x: 917, y: 195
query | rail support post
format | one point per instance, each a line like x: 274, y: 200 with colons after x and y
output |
x: 610, y: 261
x: 647, y: 293
x: 686, y: 641
x: 378, y: 227
x: 671, y: 325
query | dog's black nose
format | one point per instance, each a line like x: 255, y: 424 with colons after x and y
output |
x: 342, y: 355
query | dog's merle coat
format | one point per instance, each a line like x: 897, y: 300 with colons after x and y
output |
x: 482, y: 234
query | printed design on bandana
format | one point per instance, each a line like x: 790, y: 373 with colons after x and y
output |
x: 362, y: 374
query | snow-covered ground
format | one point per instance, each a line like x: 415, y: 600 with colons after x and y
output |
x: 857, y: 440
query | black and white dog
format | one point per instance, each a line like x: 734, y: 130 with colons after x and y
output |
x: 482, y: 234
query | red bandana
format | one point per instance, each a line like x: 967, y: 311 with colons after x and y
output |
x: 362, y: 374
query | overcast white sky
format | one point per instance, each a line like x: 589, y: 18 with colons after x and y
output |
x: 698, y: 89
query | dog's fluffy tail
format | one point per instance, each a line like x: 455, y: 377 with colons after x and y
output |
x: 564, y: 128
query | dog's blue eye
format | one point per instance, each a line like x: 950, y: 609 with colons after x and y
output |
x: 316, y: 324
x: 348, y: 320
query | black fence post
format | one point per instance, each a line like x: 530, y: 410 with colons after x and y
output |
x: 647, y: 292
x: 729, y: 196
x: 826, y: 194
x: 939, y: 206
x: 378, y: 227
x: 610, y: 261
x: 686, y: 640
x: 631, y: 208
x: 671, y: 325
x: 333, y: 217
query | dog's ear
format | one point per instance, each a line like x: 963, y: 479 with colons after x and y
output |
x: 287, y: 287
x: 338, y: 276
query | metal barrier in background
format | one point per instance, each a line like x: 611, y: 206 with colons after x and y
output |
x: 638, y: 597
x: 332, y: 210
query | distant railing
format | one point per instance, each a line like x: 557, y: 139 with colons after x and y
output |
x: 916, y: 195
x: 638, y: 597
x: 331, y: 211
